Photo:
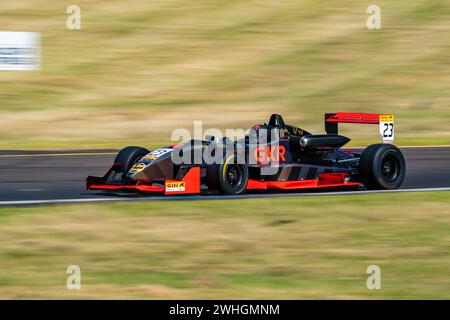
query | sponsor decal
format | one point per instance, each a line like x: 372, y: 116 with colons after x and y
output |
x: 137, y: 167
x: 157, y: 153
x: 387, y: 118
x: 266, y: 154
x: 297, y: 131
x: 175, y: 186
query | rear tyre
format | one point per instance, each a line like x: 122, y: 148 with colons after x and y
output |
x: 127, y: 157
x: 230, y: 177
x: 382, y: 167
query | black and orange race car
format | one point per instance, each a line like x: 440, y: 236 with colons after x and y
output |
x: 272, y: 156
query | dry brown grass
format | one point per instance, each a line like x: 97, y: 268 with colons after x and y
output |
x: 136, y: 72
x: 265, y: 248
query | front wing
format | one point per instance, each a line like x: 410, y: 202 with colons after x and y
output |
x: 190, y: 183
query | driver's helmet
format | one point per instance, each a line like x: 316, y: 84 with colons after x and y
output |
x: 263, y: 134
x: 258, y: 134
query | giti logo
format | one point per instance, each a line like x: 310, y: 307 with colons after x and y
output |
x: 173, y: 186
x: 386, y: 118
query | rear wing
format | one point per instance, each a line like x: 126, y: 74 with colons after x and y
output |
x: 385, y: 122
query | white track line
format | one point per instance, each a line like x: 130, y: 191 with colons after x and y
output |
x: 214, y: 197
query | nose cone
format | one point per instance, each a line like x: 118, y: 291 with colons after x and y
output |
x: 155, y: 170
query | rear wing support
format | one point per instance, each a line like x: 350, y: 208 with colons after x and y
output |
x: 385, y: 122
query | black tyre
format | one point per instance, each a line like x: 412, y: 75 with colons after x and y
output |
x: 128, y: 156
x: 382, y: 166
x: 230, y: 177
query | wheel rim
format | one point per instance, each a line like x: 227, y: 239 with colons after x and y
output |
x: 234, y: 176
x: 390, y: 168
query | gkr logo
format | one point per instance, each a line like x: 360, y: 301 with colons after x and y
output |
x: 267, y: 154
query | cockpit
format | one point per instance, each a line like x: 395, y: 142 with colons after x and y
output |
x: 279, y: 127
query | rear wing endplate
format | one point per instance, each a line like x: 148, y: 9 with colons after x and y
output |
x: 385, y: 122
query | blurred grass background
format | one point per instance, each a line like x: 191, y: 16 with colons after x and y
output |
x: 138, y: 70
x: 273, y: 248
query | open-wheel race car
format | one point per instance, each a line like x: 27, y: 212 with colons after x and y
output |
x: 272, y: 155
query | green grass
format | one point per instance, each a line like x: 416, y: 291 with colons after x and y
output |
x: 293, y: 248
x: 137, y: 71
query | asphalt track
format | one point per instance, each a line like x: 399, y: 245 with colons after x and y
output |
x: 36, y: 177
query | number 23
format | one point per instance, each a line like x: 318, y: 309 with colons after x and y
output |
x: 388, y: 130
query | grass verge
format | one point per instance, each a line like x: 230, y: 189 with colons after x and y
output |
x: 135, y: 72
x: 292, y: 248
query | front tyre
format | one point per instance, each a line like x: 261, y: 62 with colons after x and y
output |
x: 230, y: 177
x: 127, y: 157
x: 382, y: 167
